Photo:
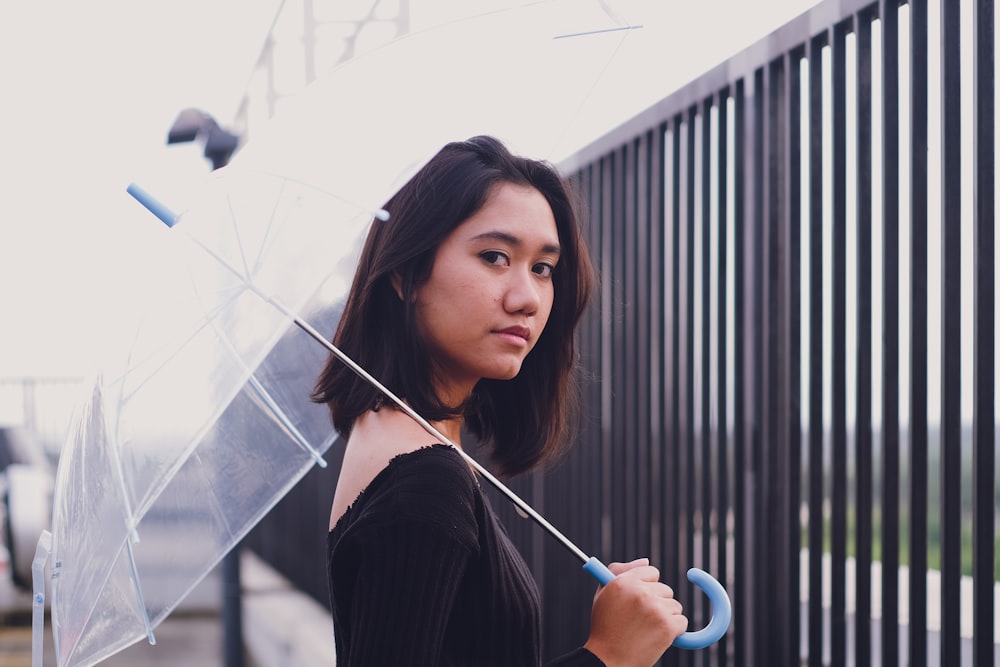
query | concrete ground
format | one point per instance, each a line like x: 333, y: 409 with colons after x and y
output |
x: 192, y: 640
x: 281, y: 628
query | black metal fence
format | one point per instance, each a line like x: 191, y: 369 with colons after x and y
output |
x: 792, y: 358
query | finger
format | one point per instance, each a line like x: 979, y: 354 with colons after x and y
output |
x: 674, y: 607
x: 666, y: 591
x: 646, y: 573
x: 660, y: 590
x: 678, y: 624
x: 621, y: 568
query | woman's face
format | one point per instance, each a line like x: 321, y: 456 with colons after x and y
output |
x: 490, y: 291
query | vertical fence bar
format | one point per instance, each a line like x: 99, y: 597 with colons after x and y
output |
x: 755, y: 379
x: 722, y: 375
x: 707, y: 436
x: 669, y: 470
x: 672, y: 537
x: 657, y: 322
x: 643, y: 372
x: 838, y: 611
x: 596, y: 417
x: 774, y: 438
x: 984, y: 339
x: 590, y: 352
x: 669, y: 463
x: 629, y: 444
x: 605, y: 183
x: 615, y: 272
x: 951, y: 334
x: 742, y: 571
x: 769, y: 447
x: 630, y: 341
x: 816, y: 464
x: 792, y: 424
x: 918, y: 332
x: 690, y: 438
x: 863, y: 417
x: 889, y: 10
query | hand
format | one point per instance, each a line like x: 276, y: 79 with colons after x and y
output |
x: 635, y: 617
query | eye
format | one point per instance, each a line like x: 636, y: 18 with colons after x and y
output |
x: 495, y: 257
x: 543, y: 269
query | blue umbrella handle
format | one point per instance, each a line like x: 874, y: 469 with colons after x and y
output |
x: 722, y: 608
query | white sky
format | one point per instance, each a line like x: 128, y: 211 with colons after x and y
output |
x: 90, y: 90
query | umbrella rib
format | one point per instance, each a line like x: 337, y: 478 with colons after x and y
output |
x: 213, y: 497
x: 597, y: 32
x: 270, y: 227
x: 377, y: 213
x: 192, y: 336
x: 138, y: 593
x: 236, y: 230
x: 285, y: 422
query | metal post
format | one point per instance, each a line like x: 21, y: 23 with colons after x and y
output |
x: 232, y: 609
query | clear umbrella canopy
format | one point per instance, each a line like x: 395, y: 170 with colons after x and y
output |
x: 202, y: 420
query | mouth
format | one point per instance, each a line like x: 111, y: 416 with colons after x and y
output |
x: 517, y: 335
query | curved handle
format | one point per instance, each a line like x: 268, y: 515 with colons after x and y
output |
x: 722, y: 612
x: 722, y: 608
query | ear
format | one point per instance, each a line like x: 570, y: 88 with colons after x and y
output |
x: 397, y: 284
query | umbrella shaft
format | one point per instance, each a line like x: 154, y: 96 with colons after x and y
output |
x: 500, y: 486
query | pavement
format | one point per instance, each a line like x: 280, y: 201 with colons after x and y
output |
x: 183, y: 639
x: 281, y: 628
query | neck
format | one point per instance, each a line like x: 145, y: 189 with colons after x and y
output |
x: 451, y: 428
x: 453, y: 391
x: 452, y: 396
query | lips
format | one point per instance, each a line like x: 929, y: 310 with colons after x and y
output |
x: 519, y: 332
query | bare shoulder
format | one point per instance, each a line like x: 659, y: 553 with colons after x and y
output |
x: 376, y: 439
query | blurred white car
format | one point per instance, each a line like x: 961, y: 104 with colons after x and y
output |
x: 26, y: 484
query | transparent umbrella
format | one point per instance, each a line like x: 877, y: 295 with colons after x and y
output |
x: 202, y: 420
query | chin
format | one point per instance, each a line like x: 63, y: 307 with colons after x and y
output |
x: 508, y: 373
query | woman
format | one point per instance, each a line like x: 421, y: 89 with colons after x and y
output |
x: 464, y: 304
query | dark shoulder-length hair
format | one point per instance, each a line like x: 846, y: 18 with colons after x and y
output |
x: 528, y: 420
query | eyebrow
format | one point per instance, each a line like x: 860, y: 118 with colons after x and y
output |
x: 514, y: 241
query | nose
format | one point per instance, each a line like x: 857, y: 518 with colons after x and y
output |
x: 523, y: 293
